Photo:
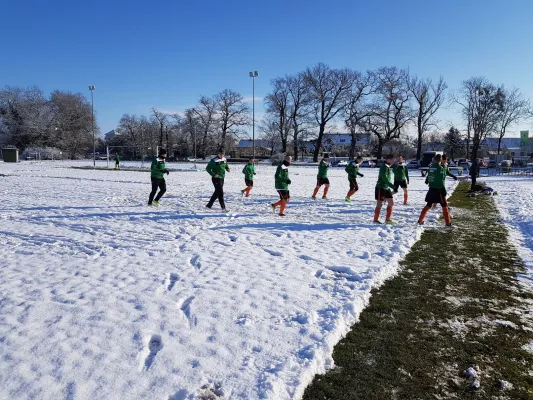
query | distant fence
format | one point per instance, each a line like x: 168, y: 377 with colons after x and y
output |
x: 519, y: 171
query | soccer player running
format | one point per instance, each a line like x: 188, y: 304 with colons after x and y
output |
x: 117, y: 161
x: 249, y: 172
x: 437, y: 192
x: 157, y: 169
x: 401, y: 178
x: 282, y: 185
x: 384, y: 188
x: 217, y: 168
x: 353, y: 172
x: 322, y: 177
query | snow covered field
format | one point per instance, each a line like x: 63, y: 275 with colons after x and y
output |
x: 102, y: 297
x: 515, y: 202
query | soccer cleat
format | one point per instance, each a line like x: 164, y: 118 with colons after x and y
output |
x: 347, y: 199
x: 273, y: 207
x: 225, y: 210
x: 156, y: 203
x: 420, y: 222
x: 324, y: 198
x: 150, y: 205
x: 282, y: 215
x: 377, y: 222
x: 389, y: 222
x: 450, y: 224
x: 313, y: 197
x: 208, y: 206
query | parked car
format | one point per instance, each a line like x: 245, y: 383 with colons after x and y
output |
x: 452, y: 164
x: 492, y: 164
x: 482, y: 164
x: 462, y: 160
x: 413, y: 164
x: 339, y: 163
x: 367, y: 164
x: 505, y: 163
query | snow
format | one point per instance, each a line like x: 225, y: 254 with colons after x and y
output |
x: 514, y: 201
x: 103, y: 297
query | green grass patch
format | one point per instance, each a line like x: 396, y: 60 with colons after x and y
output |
x: 455, y: 303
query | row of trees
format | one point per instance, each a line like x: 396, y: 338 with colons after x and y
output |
x: 386, y: 103
x: 216, y: 123
x: 389, y: 103
x: 29, y: 118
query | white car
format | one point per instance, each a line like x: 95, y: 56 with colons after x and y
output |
x: 367, y: 164
x: 342, y: 163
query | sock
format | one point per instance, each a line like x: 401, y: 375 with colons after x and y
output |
x: 389, y: 213
x: 350, y: 193
x: 423, y: 214
x: 377, y: 211
x: 405, y: 197
x: 446, y: 214
x: 315, y: 191
x: 278, y: 203
x: 325, y: 191
x: 282, y: 208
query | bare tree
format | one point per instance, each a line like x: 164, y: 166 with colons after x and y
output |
x: 390, y: 110
x: 233, y: 114
x: 277, y: 104
x: 161, y: 119
x: 72, y: 122
x: 429, y: 97
x: 515, y: 108
x: 26, y: 117
x: 326, y: 94
x: 297, y: 110
x: 484, y: 102
x: 357, y: 107
x: 207, y: 113
x: 129, y: 124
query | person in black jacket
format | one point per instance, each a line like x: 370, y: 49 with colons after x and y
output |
x: 474, y: 173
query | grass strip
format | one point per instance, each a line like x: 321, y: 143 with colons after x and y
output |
x: 456, y: 303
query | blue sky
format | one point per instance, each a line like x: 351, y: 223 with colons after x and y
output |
x: 166, y: 54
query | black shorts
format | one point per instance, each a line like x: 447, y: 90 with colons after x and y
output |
x: 382, y: 194
x: 249, y: 183
x: 436, y: 196
x: 353, y: 184
x: 284, y: 194
x: 322, y: 181
x: 402, y: 184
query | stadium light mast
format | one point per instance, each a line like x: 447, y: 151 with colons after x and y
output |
x: 91, y: 89
x: 253, y: 75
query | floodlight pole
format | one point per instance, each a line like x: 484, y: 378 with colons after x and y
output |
x: 253, y: 75
x: 195, y: 146
x: 91, y: 89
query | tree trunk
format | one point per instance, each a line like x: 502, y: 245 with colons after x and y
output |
x: 319, y: 142
x: 295, y: 141
x: 379, y: 152
x: 420, y: 133
x: 352, y: 144
x: 499, y: 144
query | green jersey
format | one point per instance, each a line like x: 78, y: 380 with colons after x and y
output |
x: 385, y: 178
x: 117, y: 159
x: 282, y: 177
x: 217, y: 167
x: 323, y: 169
x: 436, y: 176
x: 157, y: 168
x: 401, y: 173
x: 249, y: 172
x: 352, y: 169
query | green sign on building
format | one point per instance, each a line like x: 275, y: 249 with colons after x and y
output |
x: 524, y: 138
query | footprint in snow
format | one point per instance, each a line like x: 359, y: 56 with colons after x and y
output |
x: 171, y: 279
x: 154, y: 346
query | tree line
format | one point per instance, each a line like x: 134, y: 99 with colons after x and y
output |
x: 388, y: 103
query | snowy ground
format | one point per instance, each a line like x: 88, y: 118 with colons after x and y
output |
x: 102, y: 297
x: 515, y: 202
